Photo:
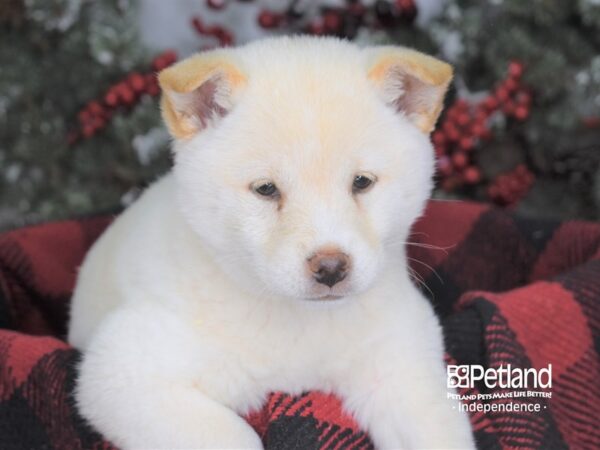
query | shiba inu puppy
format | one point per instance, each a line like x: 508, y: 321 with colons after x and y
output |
x: 272, y: 258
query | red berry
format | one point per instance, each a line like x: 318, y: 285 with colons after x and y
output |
x: 452, y: 113
x: 461, y: 104
x: 332, y: 21
x: 478, y: 129
x: 119, y: 87
x: 111, y: 98
x: 164, y: 60
x: 268, y: 19
x: 438, y: 138
x: 463, y: 119
x: 521, y: 112
x: 459, y: 160
x: 315, y: 28
x: 407, y: 8
x: 95, y: 108
x: 216, y: 4
x: 466, y: 143
x: 451, y: 132
x: 125, y: 93
x: 515, y: 69
x: 153, y: 90
x: 198, y: 25
x: 152, y: 87
x: 224, y: 37
x: 502, y: 94
x: 511, y: 84
x: 472, y: 175
x: 514, y: 183
x: 128, y: 97
x: 158, y: 64
x: 454, y: 135
x: 169, y: 57
x: 136, y: 82
x: 490, y: 103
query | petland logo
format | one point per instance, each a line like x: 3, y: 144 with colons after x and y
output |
x: 506, y: 377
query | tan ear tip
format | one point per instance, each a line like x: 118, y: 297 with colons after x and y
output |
x: 165, y: 78
x: 429, y: 68
x: 440, y: 72
x: 446, y: 71
x: 177, y: 76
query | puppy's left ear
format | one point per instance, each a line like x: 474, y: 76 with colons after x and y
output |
x: 411, y: 82
x: 199, y: 91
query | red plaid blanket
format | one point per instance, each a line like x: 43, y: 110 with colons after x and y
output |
x: 509, y: 291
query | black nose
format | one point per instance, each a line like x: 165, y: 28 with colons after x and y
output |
x: 329, y: 267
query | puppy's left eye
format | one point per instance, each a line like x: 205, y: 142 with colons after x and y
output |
x: 265, y: 189
x: 362, y: 182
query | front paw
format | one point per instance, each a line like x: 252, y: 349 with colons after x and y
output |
x: 232, y: 437
x: 211, y: 434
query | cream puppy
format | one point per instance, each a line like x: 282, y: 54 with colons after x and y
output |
x: 272, y: 257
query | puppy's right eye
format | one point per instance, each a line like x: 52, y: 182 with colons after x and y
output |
x: 266, y: 189
x: 362, y: 182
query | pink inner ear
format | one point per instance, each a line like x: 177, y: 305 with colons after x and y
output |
x: 415, y: 97
x: 201, y: 106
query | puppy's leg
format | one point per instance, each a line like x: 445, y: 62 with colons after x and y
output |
x: 139, y: 385
x: 398, y: 394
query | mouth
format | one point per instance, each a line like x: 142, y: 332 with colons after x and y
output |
x: 326, y: 298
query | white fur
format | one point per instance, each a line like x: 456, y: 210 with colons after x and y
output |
x: 196, y: 302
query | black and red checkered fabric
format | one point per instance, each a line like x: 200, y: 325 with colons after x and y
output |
x: 509, y: 291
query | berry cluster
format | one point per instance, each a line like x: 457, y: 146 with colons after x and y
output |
x: 465, y: 125
x: 393, y: 13
x: 508, y: 188
x: 96, y: 114
x: 224, y: 37
x: 342, y: 21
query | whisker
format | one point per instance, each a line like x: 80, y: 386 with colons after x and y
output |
x: 428, y: 266
x: 423, y: 245
x: 420, y: 281
x: 418, y: 233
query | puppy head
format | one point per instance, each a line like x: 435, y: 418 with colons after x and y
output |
x: 298, y: 160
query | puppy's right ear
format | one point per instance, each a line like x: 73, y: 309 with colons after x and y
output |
x: 411, y: 82
x: 198, y: 91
